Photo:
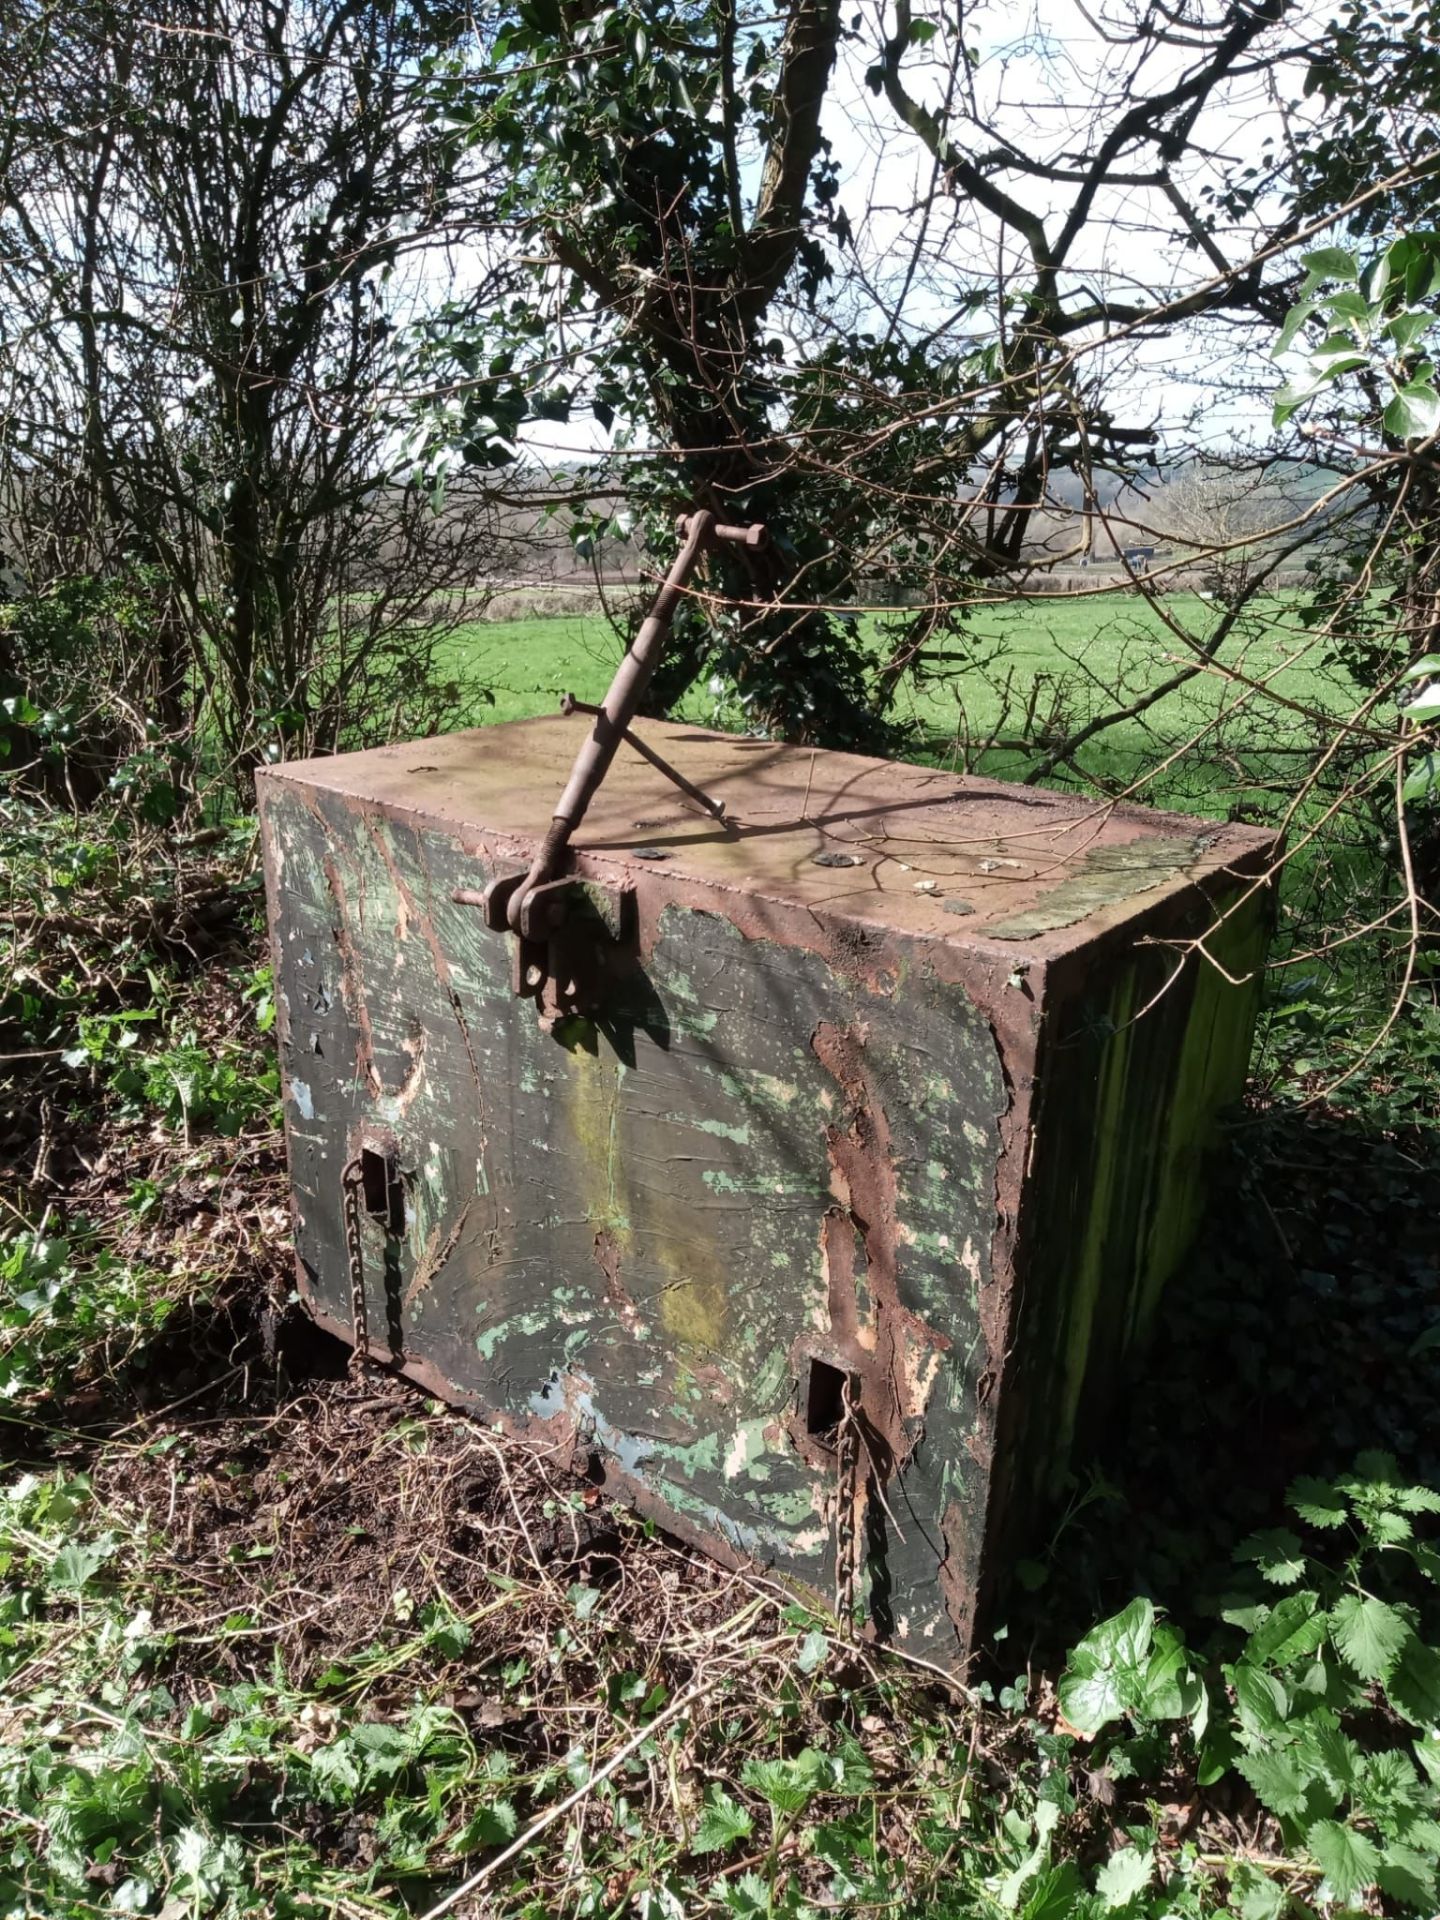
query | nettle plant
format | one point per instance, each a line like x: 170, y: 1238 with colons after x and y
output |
x: 1321, y: 1692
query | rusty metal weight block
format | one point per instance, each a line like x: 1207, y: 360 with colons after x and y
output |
x: 825, y: 1181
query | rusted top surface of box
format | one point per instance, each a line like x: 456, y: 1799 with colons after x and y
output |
x: 914, y: 849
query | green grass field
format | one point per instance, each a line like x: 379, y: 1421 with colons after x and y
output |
x: 1034, y: 670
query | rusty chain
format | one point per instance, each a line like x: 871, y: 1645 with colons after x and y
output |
x: 351, y: 1181
x: 847, y: 1465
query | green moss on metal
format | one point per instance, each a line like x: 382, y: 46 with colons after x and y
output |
x: 1165, y: 1057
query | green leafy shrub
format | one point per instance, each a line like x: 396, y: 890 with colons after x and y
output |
x: 69, y: 1305
x: 1321, y: 1693
x: 188, y: 1083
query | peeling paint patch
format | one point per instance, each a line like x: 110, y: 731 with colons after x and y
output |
x: 1106, y: 877
x: 723, y: 1130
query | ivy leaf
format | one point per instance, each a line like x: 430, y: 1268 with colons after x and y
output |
x: 1354, y: 307
x: 813, y: 1651
x: 1279, y: 1779
x: 1423, y: 778
x: 1294, y: 320
x: 1407, y: 328
x: 1331, y: 361
x: 1318, y: 1503
x: 1123, y: 1878
x: 1348, y: 1860
x: 1414, y: 413
x: 1292, y: 396
x: 721, y: 1824
x: 1370, y: 1635
x: 1331, y: 263
x: 1422, y: 277
x: 1375, y: 276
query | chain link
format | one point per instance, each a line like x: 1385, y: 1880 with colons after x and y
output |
x: 847, y: 1469
x: 352, y: 1185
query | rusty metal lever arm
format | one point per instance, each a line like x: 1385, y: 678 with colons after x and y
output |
x: 701, y: 532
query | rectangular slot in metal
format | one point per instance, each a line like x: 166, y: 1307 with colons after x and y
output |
x: 824, y: 1401
x: 383, y: 1193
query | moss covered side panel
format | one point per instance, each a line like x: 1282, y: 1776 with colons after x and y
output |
x: 643, y: 1235
x: 1140, y: 1058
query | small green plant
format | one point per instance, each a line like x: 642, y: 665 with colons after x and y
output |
x: 190, y: 1083
x: 71, y: 1307
x: 1321, y: 1692
x: 116, y: 1789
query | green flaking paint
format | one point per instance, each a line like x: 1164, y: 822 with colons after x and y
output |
x: 488, y: 1343
x: 701, y: 1456
x: 740, y: 1135
x: 793, y: 1509
x: 771, y: 1376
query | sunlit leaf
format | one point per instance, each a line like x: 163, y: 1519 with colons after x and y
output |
x: 1331, y: 263
x: 722, y: 1822
x: 1348, y: 1860
x: 1370, y: 1635
x: 1414, y: 413
x: 1123, y: 1878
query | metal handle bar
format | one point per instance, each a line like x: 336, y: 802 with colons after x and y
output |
x: 700, y: 532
